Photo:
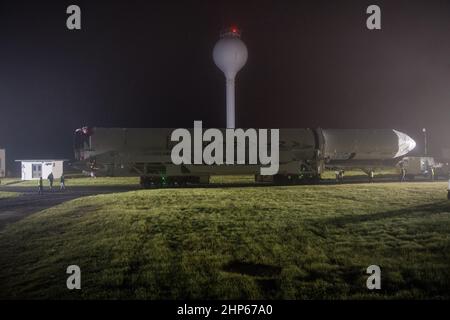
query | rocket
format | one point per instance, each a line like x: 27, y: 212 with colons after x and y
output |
x: 365, y: 147
x: 131, y: 151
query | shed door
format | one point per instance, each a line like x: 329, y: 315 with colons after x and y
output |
x: 36, y: 171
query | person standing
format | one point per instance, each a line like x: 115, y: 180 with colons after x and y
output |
x: 371, y: 176
x: 341, y: 176
x: 402, y: 174
x: 50, y: 179
x: 448, y: 190
x: 41, y: 186
x: 63, y: 183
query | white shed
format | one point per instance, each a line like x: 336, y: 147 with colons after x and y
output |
x: 2, y: 163
x: 34, y: 169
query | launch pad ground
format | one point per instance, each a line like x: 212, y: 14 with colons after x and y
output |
x: 289, y: 242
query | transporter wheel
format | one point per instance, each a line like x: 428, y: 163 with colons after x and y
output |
x: 179, y: 181
x: 294, y: 179
x: 193, y: 180
x: 148, y: 182
x: 281, y: 179
x: 170, y: 182
x: 312, y: 179
x: 144, y: 182
x: 183, y: 183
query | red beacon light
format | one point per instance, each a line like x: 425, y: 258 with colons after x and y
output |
x: 232, y: 32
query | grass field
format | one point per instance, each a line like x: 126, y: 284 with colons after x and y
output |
x: 297, y: 242
x: 8, y: 181
x: 78, y: 181
x: 4, y: 194
x: 118, y: 181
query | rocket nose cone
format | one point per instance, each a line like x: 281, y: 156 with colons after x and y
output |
x: 405, y: 144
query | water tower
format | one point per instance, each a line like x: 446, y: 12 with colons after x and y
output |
x: 230, y: 55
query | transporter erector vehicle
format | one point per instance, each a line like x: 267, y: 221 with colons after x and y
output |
x: 303, y: 154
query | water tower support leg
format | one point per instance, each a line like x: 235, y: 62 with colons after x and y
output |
x: 230, y: 104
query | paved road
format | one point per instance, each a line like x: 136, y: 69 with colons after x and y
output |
x: 29, y: 202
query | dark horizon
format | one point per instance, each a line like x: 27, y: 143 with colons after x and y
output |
x: 149, y: 64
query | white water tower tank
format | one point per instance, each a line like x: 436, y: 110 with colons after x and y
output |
x: 230, y: 55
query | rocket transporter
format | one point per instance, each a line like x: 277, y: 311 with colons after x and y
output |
x: 303, y: 154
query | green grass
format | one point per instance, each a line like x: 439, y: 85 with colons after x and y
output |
x: 79, y: 181
x: 9, y: 181
x: 4, y: 194
x: 82, y: 181
x: 297, y: 242
x: 242, y: 179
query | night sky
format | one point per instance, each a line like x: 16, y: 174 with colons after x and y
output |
x: 149, y: 64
